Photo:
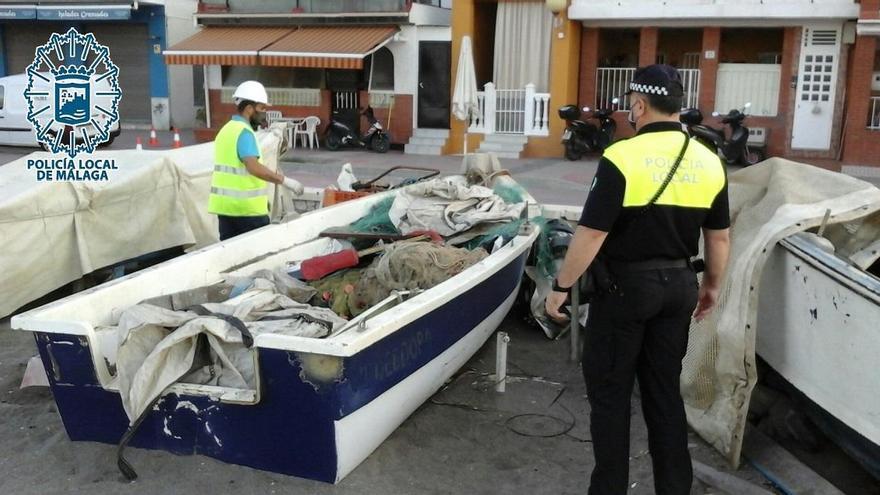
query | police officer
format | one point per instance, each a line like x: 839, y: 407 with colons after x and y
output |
x: 239, y: 196
x: 639, y: 329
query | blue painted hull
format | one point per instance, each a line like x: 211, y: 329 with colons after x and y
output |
x: 292, y: 428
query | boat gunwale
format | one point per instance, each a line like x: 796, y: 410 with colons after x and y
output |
x: 835, y: 266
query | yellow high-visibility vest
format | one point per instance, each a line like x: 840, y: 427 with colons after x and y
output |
x: 645, y: 161
x: 234, y: 191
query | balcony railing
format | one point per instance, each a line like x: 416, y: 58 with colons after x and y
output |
x: 874, y: 116
x: 612, y: 82
x: 512, y: 111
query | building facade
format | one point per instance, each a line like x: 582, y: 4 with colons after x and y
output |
x: 326, y: 59
x: 809, y: 68
x: 135, y: 32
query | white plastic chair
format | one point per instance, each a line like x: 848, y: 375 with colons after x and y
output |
x: 307, y: 129
x: 272, y: 116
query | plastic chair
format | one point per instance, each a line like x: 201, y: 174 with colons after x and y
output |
x: 272, y: 115
x: 307, y: 129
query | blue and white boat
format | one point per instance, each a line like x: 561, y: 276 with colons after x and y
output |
x: 321, y: 406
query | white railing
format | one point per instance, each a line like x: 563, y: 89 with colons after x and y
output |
x: 478, y: 120
x: 690, y: 79
x: 611, y: 82
x: 511, y: 111
x: 738, y: 84
x: 874, y: 116
x: 346, y: 99
x: 537, y: 116
x: 293, y: 97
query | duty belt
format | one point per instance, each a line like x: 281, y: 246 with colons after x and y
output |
x: 641, y: 266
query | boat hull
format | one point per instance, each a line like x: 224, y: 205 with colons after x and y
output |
x: 318, y: 416
x: 817, y: 327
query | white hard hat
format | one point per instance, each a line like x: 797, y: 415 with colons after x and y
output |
x: 251, y: 90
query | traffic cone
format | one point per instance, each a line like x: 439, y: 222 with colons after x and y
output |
x: 177, y: 143
x: 138, y: 145
x: 154, y: 141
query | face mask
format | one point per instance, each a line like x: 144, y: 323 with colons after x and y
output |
x: 630, y: 118
x: 258, y: 119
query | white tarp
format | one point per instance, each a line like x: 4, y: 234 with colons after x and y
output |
x: 768, y: 202
x: 55, y: 232
x: 157, y: 346
x: 448, y: 206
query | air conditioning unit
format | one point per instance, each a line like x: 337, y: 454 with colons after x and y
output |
x: 875, y: 81
x: 757, y: 135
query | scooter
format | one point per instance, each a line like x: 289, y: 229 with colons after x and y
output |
x: 734, y: 150
x: 338, y: 134
x: 581, y: 137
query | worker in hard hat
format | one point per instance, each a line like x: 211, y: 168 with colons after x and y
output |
x: 239, y: 196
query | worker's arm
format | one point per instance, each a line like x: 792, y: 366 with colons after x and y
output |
x: 581, y: 252
x: 257, y: 169
x: 716, y: 246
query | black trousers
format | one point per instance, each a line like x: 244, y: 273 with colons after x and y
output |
x: 641, y: 330
x: 233, y: 226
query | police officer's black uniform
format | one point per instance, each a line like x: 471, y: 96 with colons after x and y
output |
x: 641, y: 328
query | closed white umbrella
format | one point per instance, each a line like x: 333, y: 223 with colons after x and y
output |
x: 464, y: 98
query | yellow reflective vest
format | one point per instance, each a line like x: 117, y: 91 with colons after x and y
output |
x: 234, y: 191
x: 645, y: 161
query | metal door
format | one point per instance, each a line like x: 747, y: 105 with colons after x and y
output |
x: 130, y: 47
x: 816, y: 88
x: 434, y: 87
x: 22, y: 40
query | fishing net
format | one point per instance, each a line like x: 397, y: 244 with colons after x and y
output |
x: 408, y: 266
x: 377, y: 220
x: 510, y: 193
x: 334, y: 291
x: 542, y: 252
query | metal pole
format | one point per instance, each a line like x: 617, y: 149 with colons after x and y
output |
x: 575, y: 322
x: 207, y: 97
x: 501, y: 341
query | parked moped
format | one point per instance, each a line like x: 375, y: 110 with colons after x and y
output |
x: 339, y: 134
x: 734, y: 150
x: 580, y: 136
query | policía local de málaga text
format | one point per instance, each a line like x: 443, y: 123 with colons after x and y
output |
x: 71, y: 169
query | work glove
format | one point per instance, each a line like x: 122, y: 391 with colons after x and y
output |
x: 293, y: 185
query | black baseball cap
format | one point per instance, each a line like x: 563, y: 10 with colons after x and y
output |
x: 657, y: 79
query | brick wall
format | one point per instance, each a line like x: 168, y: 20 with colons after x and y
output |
x: 861, y: 145
x: 401, y: 126
x: 401, y: 118
x: 222, y: 112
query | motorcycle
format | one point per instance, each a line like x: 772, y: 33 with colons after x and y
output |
x: 339, y: 134
x: 581, y: 137
x: 734, y: 150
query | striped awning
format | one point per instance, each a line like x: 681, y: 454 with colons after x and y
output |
x: 327, y: 47
x: 224, y: 46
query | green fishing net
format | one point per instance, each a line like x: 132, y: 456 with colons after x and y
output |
x: 510, y: 193
x: 542, y: 252
x: 377, y: 220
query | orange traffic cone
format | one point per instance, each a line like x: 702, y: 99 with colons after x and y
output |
x: 138, y: 145
x: 154, y: 141
x: 177, y: 143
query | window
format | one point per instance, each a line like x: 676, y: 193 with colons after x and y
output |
x: 381, y: 65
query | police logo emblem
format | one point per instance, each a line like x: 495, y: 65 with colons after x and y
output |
x: 73, y: 93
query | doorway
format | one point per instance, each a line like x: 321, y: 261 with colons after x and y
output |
x: 434, y: 84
